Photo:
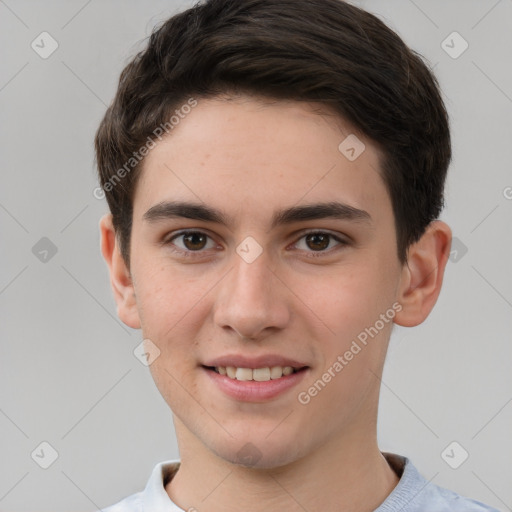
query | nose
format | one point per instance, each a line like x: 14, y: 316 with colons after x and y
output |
x: 252, y: 301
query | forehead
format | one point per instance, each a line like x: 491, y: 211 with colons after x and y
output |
x: 252, y: 155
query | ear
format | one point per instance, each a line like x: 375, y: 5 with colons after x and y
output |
x: 422, y: 275
x: 120, y: 278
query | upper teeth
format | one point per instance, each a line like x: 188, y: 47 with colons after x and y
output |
x: 258, y: 374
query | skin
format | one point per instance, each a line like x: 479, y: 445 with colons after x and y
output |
x: 249, y: 158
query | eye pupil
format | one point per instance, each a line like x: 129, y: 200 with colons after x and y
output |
x: 317, y: 241
x: 194, y: 241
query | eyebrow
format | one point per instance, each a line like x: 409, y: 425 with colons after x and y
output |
x: 317, y: 211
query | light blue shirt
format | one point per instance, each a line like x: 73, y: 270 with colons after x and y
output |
x: 413, y: 493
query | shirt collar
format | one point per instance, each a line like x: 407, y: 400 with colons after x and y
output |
x: 156, y: 499
x: 154, y: 496
x: 411, y: 483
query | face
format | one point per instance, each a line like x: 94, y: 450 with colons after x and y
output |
x: 256, y: 243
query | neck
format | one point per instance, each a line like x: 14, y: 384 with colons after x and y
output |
x: 348, y: 474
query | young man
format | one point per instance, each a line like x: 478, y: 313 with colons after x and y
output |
x: 275, y: 171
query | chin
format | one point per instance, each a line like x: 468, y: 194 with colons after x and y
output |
x: 259, y: 454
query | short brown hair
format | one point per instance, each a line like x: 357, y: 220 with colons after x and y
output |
x: 325, y: 51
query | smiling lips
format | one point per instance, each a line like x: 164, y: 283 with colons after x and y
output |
x: 257, y: 374
x: 255, y: 384
x: 259, y: 369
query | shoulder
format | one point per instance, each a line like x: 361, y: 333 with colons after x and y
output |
x: 133, y: 503
x: 414, y: 493
x: 153, y: 498
x: 444, y: 500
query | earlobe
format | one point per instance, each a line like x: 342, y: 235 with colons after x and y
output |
x: 422, y: 275
x: 120, y: 277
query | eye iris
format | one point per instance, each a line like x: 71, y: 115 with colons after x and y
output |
x: 317, y: 241
x: 194, y: 241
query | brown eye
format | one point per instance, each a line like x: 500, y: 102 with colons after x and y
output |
x: 318, y: 241
x: 188, y: 242
x: 194, y: 241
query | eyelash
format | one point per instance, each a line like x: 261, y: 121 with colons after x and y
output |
x: 198, y: 254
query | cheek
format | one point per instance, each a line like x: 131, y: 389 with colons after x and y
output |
x: 171, y: 310
x: 354, y: 350
x: 163, y: 297
x: 347, y: 299
x: 350, y: 303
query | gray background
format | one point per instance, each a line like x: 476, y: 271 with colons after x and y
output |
x: 68, y: 373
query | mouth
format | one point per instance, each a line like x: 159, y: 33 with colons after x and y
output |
x: 257, y: 385
x: 263, y: 374
x: 257, y: 379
